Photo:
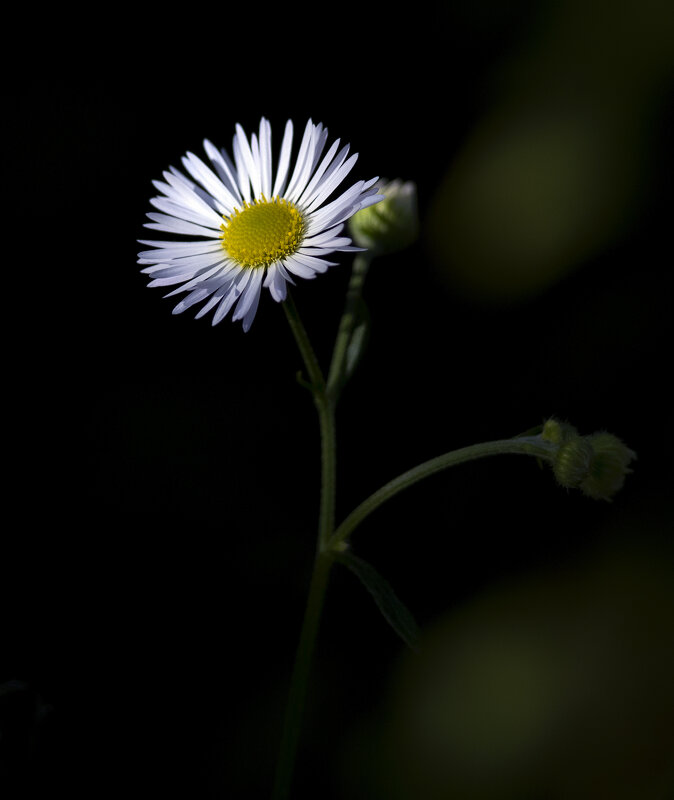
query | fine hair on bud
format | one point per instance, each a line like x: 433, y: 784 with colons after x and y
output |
x: 609, y: 466
x: 597, y: 464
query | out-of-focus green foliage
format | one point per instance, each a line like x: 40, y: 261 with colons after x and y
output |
x: 558, y: 166
x: 557, y: 685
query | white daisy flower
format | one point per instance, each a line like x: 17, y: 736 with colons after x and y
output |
x: 249, y: 226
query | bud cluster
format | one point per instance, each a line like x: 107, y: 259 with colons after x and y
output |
x: 595, y: 464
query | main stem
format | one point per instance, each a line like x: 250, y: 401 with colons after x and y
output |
x: 322, y: 562
x: 298, y: 685
x: 326, y: 417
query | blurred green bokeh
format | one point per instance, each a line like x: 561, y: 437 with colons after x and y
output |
x: 557, y: 686
x: 558, y: 168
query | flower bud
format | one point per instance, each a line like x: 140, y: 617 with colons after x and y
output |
x: 596, y: 464
x: 609, y: 466
x: 558, y: 432
x: 390, y: 225
x: 572, y: 462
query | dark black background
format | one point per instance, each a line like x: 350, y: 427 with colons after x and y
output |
x: 164, y: 474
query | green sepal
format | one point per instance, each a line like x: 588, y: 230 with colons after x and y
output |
x: 394, y: 611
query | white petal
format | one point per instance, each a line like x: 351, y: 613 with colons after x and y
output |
x: 224, y: 168
x: 214, y: 299
x: 301, y: 159
x: 243, y: 180
x: 186, y: 246
x: 276, y: 283
x: 250, y: 296
x: 320, y: 171
x: 250, y: 314
x: 232, y: 295
x: 201, y: 292
x: 342, y: 207
x: 196, y: 296
x: 323, y: 236
x: 316, y: 144
x: 329, y: 185
x: 209, y: 180
x: 295, y: 266
x: 370, y: 200
x: 283, y: 272
x: 204, y: 290
x: 323, y: 216
x: 265, y: 157
x: 334, y: 244
x: 317, y: 264
x: 255, y: 150
x: 212, y: 277
x: 184, y: 191
x: 227, y: 301
x: 177, y: 250
x: 318, y: 252
x: 191, y: 186
x: 161, y: 222
x: 185, y: 265
x: 284, y: 159
x: 181, y: 211
x: 248, y: 160
x: 169, y: 281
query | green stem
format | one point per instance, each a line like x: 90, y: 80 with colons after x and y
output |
x: 326, y: 419
x: 298, y: 684
x: 326, y: 521
x: 525, y: 445
x: 322, y: 563
x: 304, y: 345
x: 336, y: 375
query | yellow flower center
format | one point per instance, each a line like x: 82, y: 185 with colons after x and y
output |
x: 262, y: 232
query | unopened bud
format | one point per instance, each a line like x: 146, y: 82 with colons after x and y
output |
x: 609, y: 467
x: 573, y: 462
x: 596, y: 464
x: 558, y: 432
x: 390, y: 225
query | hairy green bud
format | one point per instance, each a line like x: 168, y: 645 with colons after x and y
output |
x: 609, y: 466
x: 573, y: 462
x: 595, y: 464
x: 558, y: 432
x: 390, y: 225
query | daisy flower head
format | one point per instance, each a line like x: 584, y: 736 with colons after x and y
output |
x: 244, y: 225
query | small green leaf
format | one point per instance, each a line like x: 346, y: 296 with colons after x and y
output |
x: 395, y: 612
x: 299, y: 376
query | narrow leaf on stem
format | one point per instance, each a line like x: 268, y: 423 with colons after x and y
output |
x: 395, y: 612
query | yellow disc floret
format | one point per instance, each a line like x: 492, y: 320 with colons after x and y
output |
x: 263, y: 232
